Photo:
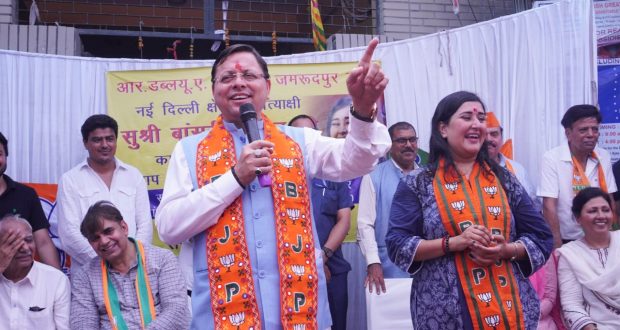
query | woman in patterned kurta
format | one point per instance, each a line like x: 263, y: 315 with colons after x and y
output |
x: 422, y: 241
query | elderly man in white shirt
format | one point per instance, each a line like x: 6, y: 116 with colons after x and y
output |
x: 101, y: 177
x: 572, y: 166
x: 32, y: 295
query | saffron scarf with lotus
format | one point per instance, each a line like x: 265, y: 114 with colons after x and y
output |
x: 580, y: 179
x: 491, y: 293
x: 233, y: 296
x: 143, y: 292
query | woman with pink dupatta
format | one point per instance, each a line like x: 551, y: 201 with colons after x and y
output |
x: 545, y: 283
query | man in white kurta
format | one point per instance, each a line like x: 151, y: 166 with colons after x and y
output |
x: 32, y: 295
x: 101, y: 176
x: 188, y: 210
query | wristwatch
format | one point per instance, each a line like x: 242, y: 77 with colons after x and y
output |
x: 373, y: 114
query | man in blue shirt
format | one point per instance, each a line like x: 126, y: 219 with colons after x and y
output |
x: 331, y: 207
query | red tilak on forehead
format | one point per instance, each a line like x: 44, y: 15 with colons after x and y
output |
x: 474, y: 110
x: 238, y: 67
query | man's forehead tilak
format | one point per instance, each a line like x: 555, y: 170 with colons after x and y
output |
x: 238, y: 67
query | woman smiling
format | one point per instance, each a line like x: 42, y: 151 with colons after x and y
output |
x: 466, y: 230
x: 588, y: 269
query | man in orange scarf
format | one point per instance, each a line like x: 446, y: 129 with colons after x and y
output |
x: 257, y: 257
x: 572, y: 166
x: 498, y: 150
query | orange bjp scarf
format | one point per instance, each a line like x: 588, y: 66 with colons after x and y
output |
x: 580, y: 179
x: 233, y: 296
x: 491, y: 293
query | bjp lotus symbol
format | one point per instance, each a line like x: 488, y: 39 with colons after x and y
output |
x: 492, y: 190
x: 215, y: 157
x: 236, y: 319
x: 458, y: 205
x: 492, y: 321
x: 485, y: 297
x: 227, y: 261
x: 286, y: 162
x: 494, y: 210
x: 299, y: 270
x: 293, y: 214
x: 452, y: 186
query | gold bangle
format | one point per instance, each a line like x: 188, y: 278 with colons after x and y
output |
x: 514, y: 257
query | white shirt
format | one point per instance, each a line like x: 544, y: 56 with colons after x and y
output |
x: 520, y: 173
x: 44, y: 287
x: 366, y: 217
x: 81, y: 187
x: 556, y: 181
x: 185, y: 212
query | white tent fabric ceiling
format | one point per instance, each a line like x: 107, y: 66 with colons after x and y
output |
x: 528, y: 68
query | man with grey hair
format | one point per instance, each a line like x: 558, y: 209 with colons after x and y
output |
x: 32, y: 295
x: 376, y: 193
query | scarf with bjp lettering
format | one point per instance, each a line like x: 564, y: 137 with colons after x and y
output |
x: 580, y: 179
x: 143, y: 292
x: 491, y: 293
x: 233, y: 297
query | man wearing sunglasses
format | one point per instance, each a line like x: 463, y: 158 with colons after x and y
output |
x: 376, y: 193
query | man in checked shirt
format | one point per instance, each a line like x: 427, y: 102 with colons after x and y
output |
x: 132, y: 283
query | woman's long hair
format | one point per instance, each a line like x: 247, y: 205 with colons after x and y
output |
x: 438, y: 145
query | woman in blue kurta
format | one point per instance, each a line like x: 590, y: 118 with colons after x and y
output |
x: 466, y: 230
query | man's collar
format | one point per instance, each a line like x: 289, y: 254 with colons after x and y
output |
x: 415, y: 165
x: 231, y: 127
x: 10, y: 183
x: 567, y: 156
x: 119, y: 164
x: 31, y: 277
x: 134, y: 262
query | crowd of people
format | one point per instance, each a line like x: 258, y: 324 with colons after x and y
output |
x: 484, y: 249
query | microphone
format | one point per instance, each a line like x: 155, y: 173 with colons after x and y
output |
x: 250, y: 127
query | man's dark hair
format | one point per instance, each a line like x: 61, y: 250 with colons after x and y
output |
x: 98, y: 121
x: 398, y: 126
x: 577, y: 112
x: 93, y: 220
x: 5, y: 143
x: 238, y: 48
x: 302, y: 116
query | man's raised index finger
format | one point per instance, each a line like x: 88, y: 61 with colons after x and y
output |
x: 367, y: 57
